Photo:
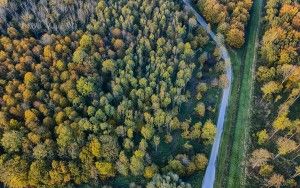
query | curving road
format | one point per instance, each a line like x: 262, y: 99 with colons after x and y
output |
x: 210, y: 173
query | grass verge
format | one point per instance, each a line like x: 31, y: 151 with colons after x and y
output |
x: 227, y: 137
x: 233, y: 148
x: 237, y: 168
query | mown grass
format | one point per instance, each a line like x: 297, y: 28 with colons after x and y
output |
x: 227, y: 137
x: 231, y: 161
x: 237, y: 168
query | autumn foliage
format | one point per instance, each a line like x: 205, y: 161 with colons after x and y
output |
x: 230, y: 18
x: 92, y: 91
x: 274, y: 160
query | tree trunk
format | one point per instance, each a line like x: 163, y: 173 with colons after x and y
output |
x: 276, y: 156
x: 273, y: 135
x: 295, y: 157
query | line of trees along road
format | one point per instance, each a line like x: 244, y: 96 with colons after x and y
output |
x: 229, y: 17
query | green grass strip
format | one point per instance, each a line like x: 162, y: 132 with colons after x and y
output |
x: 228, y: 133
x: 236, y: 178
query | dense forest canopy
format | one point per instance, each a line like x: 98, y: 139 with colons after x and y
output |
x: 229, y: 17
x: 35, y: 17
x: 275, y: 159
x: 123, y: 96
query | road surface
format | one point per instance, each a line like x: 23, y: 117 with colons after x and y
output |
x: 210, y: 173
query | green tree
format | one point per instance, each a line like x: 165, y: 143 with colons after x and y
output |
x: 79, y: 55
x: 85, y: 41
x: 105, y: 169
x: 40, y: 151
x: 169, y: 180
x: 266, y: 170
x: 122, y: 164
x: 95, y: 147
x: 108, y: 65
x: 12, y: 141
x: 85, y: 86
x: 14, y: 172
x: 147, y: 131
x: 262, y: 136
x: 200, y: 109
x: 137, y: 163
x: 37, y: 175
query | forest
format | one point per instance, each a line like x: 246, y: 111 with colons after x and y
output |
x: 126, y: 93
x: 273, y: 156
x: 228, y: 17
x: 35, y: 17
x: 111, y: 93
x: 274, y: 159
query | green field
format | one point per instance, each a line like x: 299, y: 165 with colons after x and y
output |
x: 233, y: 148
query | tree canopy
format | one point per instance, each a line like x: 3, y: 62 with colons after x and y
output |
x: 99, y: 90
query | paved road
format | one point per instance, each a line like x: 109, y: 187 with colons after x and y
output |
x: 210, y: 173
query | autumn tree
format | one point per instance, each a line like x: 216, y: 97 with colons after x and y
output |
x: 200, y: 161
x: 235, y: 37
x: 259, y: 157
x: 85, y: 86
x: 105, y: 169
x: 276, y: 180
x: 208, y: 132
x: 12, y: 141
